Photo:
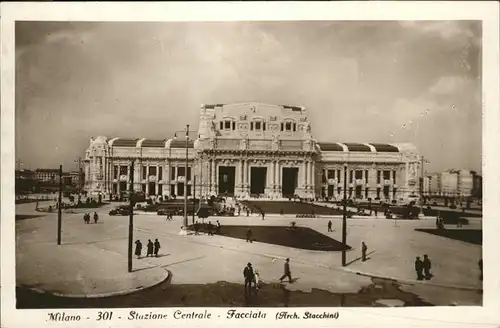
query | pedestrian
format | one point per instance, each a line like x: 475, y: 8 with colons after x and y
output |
x: 249, y: 277
x: 376, y: 212
x: 96, y: 217
x: 218, y: 227
x: 249, y: 235
x: 196, y: 228
x: 248, y: 212
x: 427, y: 267
x: 239, y: 210
x: 156, y: 247
x: 262, y: 213
x: 138, y: 248
x: 480, y: 264
x: 418, y: 268
x: 330, y: 226
x: 287, y: 272
x: 210, y: 233
x: 150, y: 248
x: 85, y: 218
x: 363, y: 251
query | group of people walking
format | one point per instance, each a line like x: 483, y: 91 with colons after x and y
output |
x: 86, y: 218
x: 253, y: 279
x: 152, y: 248
x: 423, y: 268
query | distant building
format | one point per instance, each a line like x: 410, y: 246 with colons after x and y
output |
x: 453, y: 183
x: 47, y: 175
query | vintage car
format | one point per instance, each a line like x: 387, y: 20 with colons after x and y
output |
x: 120, y: 210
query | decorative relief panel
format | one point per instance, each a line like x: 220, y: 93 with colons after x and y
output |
x: 273, y: 118
x: 291, y: 144
x: 260, y: 145
x: 242, y: 126
x: 273, y: 127
x: 243, y: 117
x: 228, y: 144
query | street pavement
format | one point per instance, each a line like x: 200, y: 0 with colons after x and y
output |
x: 93, y: 257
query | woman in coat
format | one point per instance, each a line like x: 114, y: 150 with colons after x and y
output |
x: 138, y: 248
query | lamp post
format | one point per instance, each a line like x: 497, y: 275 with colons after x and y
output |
x: 59, y: 208
x: 423, y: 161
x: 185, y: 221
x: 344, y: 218
x: 131, y: 217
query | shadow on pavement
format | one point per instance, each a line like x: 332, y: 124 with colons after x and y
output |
x: 359, y: 258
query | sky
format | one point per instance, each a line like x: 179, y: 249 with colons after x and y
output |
x: 417, y: 82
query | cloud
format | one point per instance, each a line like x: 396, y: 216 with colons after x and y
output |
x: 360, y: 81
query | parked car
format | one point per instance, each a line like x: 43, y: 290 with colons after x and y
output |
x: 120, y: 210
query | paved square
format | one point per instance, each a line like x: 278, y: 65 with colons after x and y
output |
x: 93, y: 257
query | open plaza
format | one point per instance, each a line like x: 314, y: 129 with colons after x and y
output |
x: 91, y: 262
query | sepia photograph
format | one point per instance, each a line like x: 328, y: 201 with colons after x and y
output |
x: 248, y: 164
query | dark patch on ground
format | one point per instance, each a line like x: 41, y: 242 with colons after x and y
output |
x: 467, y: 235
x: 224, y: 294
x: 298, y: 237
x: 26, y: 217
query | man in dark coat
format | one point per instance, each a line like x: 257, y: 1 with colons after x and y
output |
x: 210, y: 233
x: 262, y: 213
x: 249, y: 277
x: 330, y: 226
x: 196, y: 228
x: 156, y: 247
x: 150, y: 248
x: 287, y: 272
x: 96, y: 217
x: 249, y: 235
x: 427, y: 267
x: 364, y: 248
x: 419, y: 267
x: 218, y: 227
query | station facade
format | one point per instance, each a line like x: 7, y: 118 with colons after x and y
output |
x: 252, y: 150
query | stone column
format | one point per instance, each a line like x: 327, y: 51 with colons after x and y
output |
x: 278, y: 178
x: 313, y: 178
x: 167, y: 179
x: 245, y: 173
x: 213, y: 175
x: 305, y: 174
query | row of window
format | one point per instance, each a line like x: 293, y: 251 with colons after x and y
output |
x: 152, y: 172
x: 358, y: 175
x: 152, y: 188
x: 257, y: 126
x: 358, y: 192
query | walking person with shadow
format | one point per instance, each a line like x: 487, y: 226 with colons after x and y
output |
x: 150, y: 247
x: 419, y: 266
x: 364, y: 248
x: 249, y: 276
x: 287, y: 272
x: 156, y: 247
x: 427, y: 267
x: 96, y: 217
